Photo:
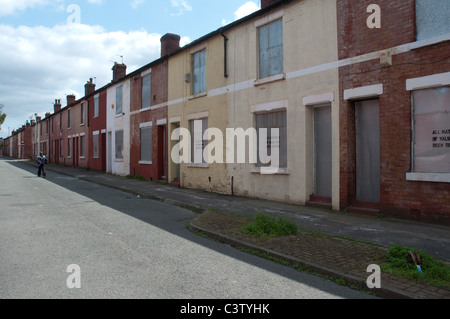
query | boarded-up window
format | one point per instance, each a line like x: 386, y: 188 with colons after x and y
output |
x: 119, y: 100
x: 83, y: 112
x: 146, y: 144
x: 198, y: 143
x: 271, y: 49
x: 432, y: 18
x: 199, y: 72
x: 81, y: 146
x: 95, y: 144
x: 69, y: 147
x: 432, y: 130
x: 119, y: 144
x: 269, y: 121
x: 96, y: 107
x: 68, y: 119
x: 146, y: 91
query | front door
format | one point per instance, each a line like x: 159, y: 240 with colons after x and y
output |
x: 322, y: 151
x: 367, y: 126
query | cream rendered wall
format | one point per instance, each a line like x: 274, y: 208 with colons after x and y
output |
x: 115, y: 123
x: 184, y: 107
x: 310, y: 42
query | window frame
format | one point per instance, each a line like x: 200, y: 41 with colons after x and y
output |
x: 119, y: 100
x: 199, y: 89
x: 283, y: 163
x: 205, y: 142
x: 434, y: 81
x: 117, y: 134
x: 96, y: 106
x: 146, y: 127
x: 96, y: 145
x: 277, y: 74
x: 143, y: 98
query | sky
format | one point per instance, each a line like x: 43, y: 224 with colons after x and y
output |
x: 50, y: 49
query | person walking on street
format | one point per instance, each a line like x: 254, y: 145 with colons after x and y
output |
x: 41, y: 160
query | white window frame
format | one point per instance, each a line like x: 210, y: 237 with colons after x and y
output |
x: 422, y: 83
x: 148, y: 125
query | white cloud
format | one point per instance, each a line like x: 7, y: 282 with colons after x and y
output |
x: 181, y: 5
x: 243, y: 11
x: 40, y: 64
x: 136, y: 3
x: 8, y: 7
x: 98, y: 2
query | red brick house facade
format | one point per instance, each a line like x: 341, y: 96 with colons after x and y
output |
x: 97, y: 130
x: 379, y: 110
x: 148, y: 120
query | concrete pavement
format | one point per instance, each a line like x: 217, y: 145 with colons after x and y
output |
x: 433, y: 239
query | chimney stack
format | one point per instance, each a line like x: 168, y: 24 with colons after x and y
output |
x: 119, y: 71
x: 57, y: 106
x: 266, y: 3
x: 70, y: 99
x: 169, y: 43
x: 89, y: 87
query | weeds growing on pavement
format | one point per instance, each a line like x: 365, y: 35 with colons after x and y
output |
x: 434, y: 271
x: 268, y: 227
x: 139, y: 178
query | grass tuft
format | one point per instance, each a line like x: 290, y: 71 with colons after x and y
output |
x: 264, y: 226
x: 435, y: 272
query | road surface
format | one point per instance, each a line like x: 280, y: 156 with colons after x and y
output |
x: 63, y: 238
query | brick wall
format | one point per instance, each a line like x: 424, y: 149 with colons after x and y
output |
x: 401, y: 198
x: 355, y: 38
x: 159, y: 96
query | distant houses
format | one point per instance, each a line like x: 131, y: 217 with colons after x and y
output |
x: 356, y: 112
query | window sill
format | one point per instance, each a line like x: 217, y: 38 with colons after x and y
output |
x: 271, y: 79
x: 196, y: 96
x: 198, y: 165
x: 270, y: 171
x: 145, y: 109
x: 428, y: 177
x: 145, y: 163
x: 117, y: 160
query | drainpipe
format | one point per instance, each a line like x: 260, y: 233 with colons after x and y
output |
x: 225, y: 41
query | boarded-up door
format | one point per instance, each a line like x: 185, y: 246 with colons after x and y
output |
x: 322, y: 151
x: 367, y: 126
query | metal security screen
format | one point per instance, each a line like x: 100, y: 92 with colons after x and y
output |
x: 432, y: 130
x: 269, y: 121
x: 367, y: 151
x: 146, y: 144
x: 322, y: 151
x: 271, y: 49
x: 146, y: 90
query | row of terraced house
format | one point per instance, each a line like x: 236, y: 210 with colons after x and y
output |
x: 358, y: 90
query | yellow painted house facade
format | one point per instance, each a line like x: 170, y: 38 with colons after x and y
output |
x: 264, y: 73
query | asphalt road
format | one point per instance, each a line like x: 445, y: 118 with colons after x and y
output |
x: 125, y: 247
